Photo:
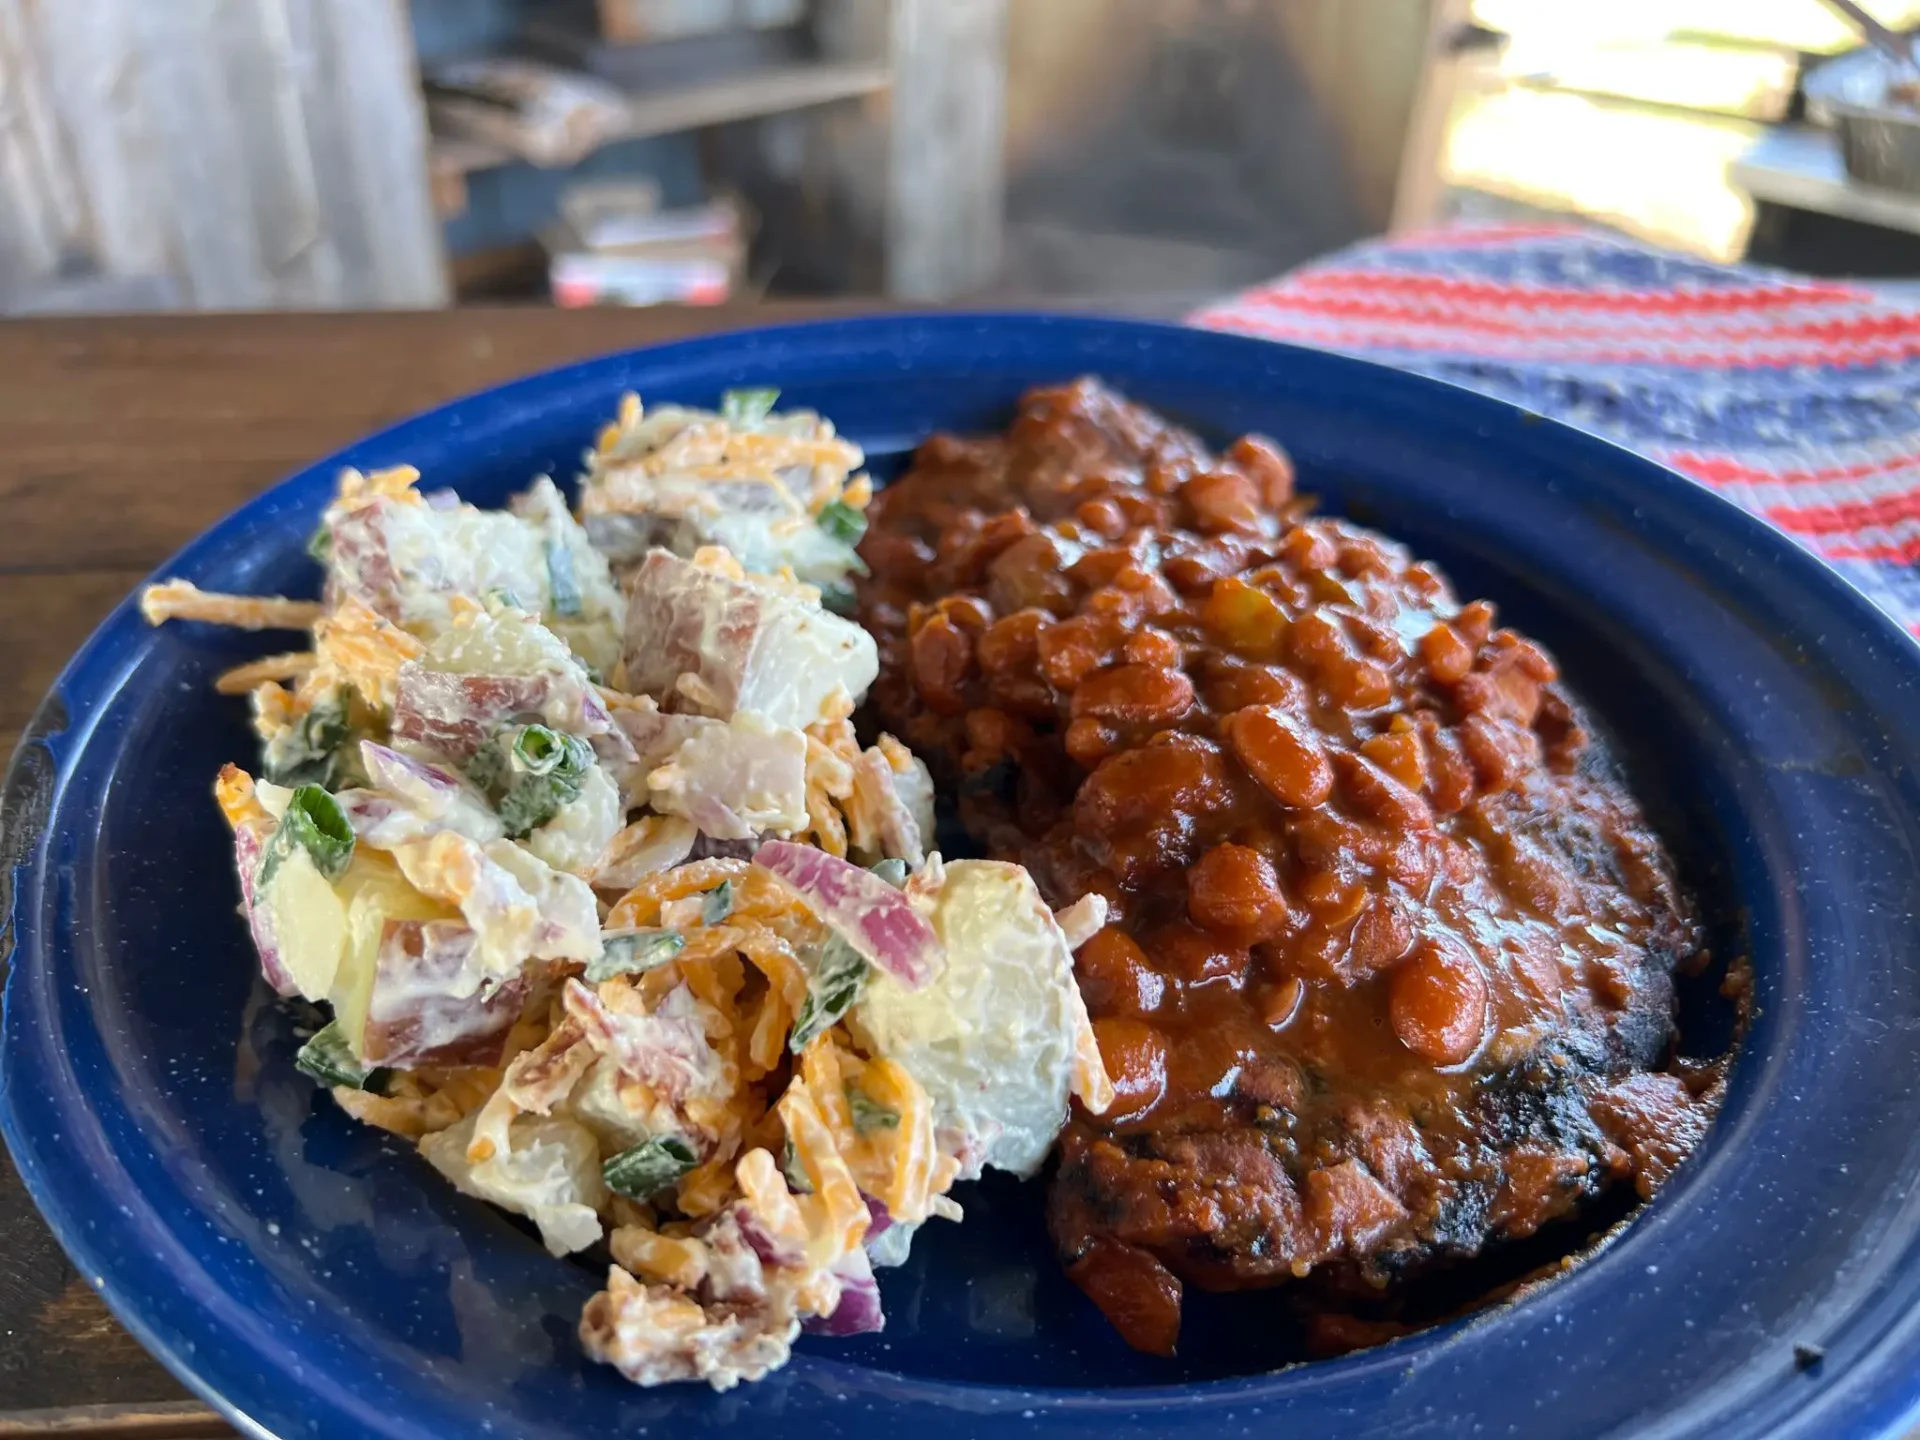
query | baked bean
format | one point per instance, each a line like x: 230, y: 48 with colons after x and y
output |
x: 1089, y: 741
x: 965, y: 554
x: 1145, y: 512
x: 1193, y: 957
x: 993, y: 736
x: 1375, y: 637
x: 1026, y: 695
x: 1400, y: 752
x: 1310, y: 551
x: 1137, y: 1294
x: 1317, y: 955
x: 893, y: 556
x: 1437, y: 1000
x: 969, y: 612
x: 1376, y: 793
x: 1120, y: 611
x: 1230, y: 685
x: 1011, y: 644
x: 1136, y: 1058
x: 1280, y: 1003
x: 1361, y: 558
x: 1135, y: 814
x: 1333, y: 900
x: 1102, y: 517
x: 1527, y: 657
x: 1245, y: 619
x: 1136, y: 696
x: 1189, y: 573
x: 1282, y: 754
x: 1561, y: 733
x: 1501, y: 751
x: 942, y: 660
x: 1222, y: 500
x: 1154, y: 647
x: 1475, y: 622
x: 1364, y: 686
x: 1326, y: 839
x: 1267, y: 465
x: 1318, y: 642
x: 1233, y: 893
x: 1449, y: 774
x: 1115, y: 976
x: 1074, y: 649
x: 1027, y: 575
x: 1447, y: 657
x: 1517, y: 695
x: 1097, y: 568
x: 1428, y: 584
x: 1382, y: 934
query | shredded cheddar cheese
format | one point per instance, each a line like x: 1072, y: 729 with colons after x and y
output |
x: 183, y: 600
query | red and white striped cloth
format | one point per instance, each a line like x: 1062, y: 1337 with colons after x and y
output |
x: 1798, y: 400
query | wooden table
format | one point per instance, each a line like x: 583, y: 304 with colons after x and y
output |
x: 120, y: 439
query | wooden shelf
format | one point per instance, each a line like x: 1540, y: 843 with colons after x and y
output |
x: 768, y: 91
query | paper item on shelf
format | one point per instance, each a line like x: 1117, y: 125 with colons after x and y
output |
x: 580, y: 279
x: 717, y: 224
x: 544, y: 114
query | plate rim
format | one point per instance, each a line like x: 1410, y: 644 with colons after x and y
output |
x: 62, y: 744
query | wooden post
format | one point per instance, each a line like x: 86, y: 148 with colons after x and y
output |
x: 1421, y: 187
x: 946, y: 200
x: 261, y: 155
x: 922, y: 168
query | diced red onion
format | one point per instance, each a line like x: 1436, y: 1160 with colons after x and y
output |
x: 405, y: 776
x: 858, y: 1312
x: 860, y: 907
x: 249, y: 841
x: 771, y: 1248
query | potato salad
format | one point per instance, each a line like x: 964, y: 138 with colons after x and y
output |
x: 562, y: 815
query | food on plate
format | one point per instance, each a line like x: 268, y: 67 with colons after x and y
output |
x: 614, y: 914
x: 1385, y: 973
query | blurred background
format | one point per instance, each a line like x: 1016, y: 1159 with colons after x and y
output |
x: 1137, y: 155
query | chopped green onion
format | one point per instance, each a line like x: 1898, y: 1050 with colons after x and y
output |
x: 500, y: 595
x: 894, y: 872
x: 309, y: 753
x: 717, y: 904
x: 649, y: 1167
x: 531, y: 775
x: 743, y: 409
x: 320, y: 545
x: 837, y: 596
x: 562, y: 583
x: 839, y: 975
x: 870, y: 1114
x: 795, y: 1172
x: 329, y: 1059
x: 842, y: 521
x: 488, y: 766
x: 540, y: 751
x: 533, y: 801
x: 316, y: 824
x: 630, y: 952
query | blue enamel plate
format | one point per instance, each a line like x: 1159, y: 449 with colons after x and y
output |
x: 311, y: 1276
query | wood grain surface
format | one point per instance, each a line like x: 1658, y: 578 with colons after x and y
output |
x: 120, y: 439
